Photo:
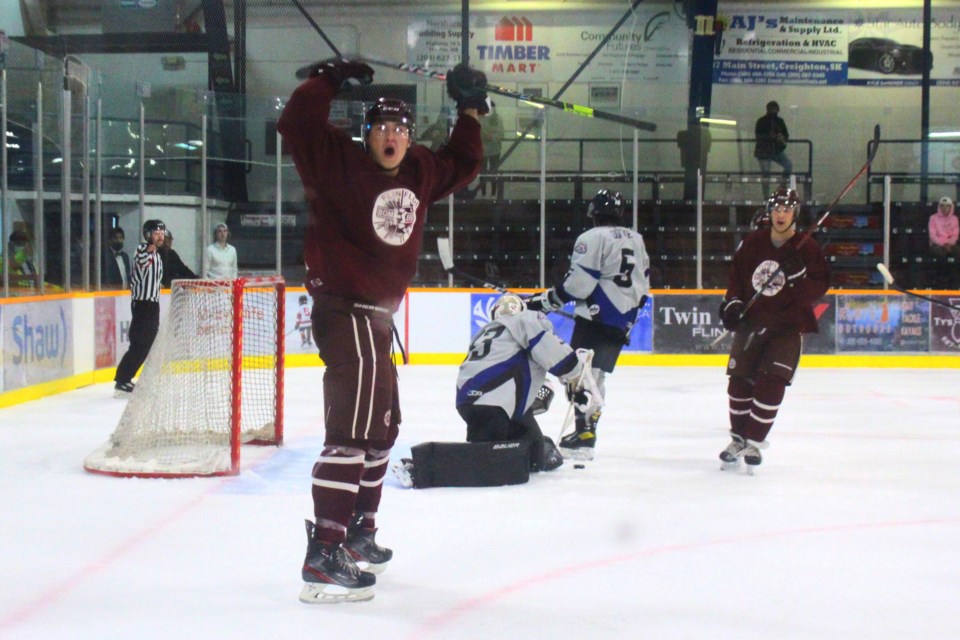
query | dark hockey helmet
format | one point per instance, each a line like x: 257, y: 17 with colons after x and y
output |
x: 303, y: 299
x: 606, y: 206
x: 388, y: 110
x: 784, y: 197
x: 152, y: 225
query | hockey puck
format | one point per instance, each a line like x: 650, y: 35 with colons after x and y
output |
x: 579, y: 466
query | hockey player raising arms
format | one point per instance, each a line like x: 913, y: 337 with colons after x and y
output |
x: 609, y: 278
x: 367, y: 210
x: 767, y: 336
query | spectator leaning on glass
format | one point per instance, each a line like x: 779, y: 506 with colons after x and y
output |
x: 221, y: 256
x: 944, y: 230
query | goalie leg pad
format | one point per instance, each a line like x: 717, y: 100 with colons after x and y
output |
x: 471, y: 464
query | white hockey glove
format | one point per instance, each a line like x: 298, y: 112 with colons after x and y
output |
x: 582, y: 389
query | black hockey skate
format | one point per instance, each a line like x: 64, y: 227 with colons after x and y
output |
x: 330, y: 575
x: 363, y: 548
x: 579, y: 444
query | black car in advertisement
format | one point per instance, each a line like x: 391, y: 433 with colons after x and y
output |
x: 887, y: 56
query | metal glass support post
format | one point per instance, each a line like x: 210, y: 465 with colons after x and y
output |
x: 98, y: 195
x: 204, y: 214
x: 41, y: 236
x: 143, y: 168
x: 699, y: 229
x: 85, y: 192
x: 279, y: 206
x: 450, y: 234
x: 636, y: 179
x: 7, y: 224
x: 887, y: 219
x: 66, y: 106
x: 543, y: 201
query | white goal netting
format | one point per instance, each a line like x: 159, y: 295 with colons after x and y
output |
x: 213, y: 381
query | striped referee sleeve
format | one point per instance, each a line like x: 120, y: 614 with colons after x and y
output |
x: 147, y: 274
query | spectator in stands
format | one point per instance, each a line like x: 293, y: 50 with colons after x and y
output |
x: 491, y: 133
x: 944, y: 230
x: 173, y: 266
x: 221, y: 257
x: 772, y: 135
x: 23, y: 273
x: 437, y: 133
x: 115, y: 263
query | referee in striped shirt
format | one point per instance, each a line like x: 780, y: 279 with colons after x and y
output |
x: 145, y: 305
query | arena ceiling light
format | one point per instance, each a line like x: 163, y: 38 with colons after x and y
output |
x: 945, y: 134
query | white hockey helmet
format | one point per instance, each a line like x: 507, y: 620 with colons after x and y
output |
x: 509, y: 304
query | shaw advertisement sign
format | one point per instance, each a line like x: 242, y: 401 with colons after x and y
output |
x: 36, y: 343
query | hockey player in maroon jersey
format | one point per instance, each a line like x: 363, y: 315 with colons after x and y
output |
x: 767, y: 336
x: 368, y: 205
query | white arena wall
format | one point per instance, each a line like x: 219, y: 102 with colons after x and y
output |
x: 61, y: 342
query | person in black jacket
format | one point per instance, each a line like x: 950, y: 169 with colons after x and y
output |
x: 115, y: 272
x: 173, y: 266
x: 772, y: 135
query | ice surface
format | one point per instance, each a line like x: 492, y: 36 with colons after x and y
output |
x: 850, y: 528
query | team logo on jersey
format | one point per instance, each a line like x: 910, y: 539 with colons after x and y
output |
x: 580, y: 247
x: 386, y: 418
x: 763, y: 272
x: 394, y: 215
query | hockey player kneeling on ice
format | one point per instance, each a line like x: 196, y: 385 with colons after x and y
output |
x: 767, y: 336
x: 497, y: 396
x: 609, y: 279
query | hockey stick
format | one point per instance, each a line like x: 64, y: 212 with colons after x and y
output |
x: 446, y: 260
x: 882, y: 268
x: 871, y: 154
x: 568, y: 107
x: 316, y: 28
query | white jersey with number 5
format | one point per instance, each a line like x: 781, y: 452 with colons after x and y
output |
x: 609, y: 275
x: 508, y: 361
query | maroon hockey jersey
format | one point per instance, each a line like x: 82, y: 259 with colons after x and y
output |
x: 781, y: 308
x: 366, y: 227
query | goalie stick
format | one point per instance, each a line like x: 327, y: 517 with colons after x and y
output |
x: 871, y: 154
x: 882, y: 268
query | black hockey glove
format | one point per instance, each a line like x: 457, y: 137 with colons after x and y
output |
x: 545, y: 301
x: 792, y: 265
x: 731, y: 312
x: 467, y: 87
x: 340, y: 71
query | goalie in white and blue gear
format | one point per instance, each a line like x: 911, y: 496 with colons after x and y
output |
x: 497, y: 389
x: 609, y: 278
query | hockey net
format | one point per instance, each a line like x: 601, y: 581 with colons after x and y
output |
x: 213, y: 381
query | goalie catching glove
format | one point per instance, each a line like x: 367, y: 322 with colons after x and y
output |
x: 468, y: 88
x: 581, y: 386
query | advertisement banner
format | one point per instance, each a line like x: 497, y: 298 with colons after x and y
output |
x: 688, y: 323
x: 36, y: 344
x: 541, y: 47
x: 867, y: 47
x: 825, y: 341
x: 945, y: 326
x: 124, y: 314
x: 105, y: 333
x: 641, y: 336
x: 881, y: 323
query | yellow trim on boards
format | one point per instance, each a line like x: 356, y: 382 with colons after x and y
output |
x: 300, y: 360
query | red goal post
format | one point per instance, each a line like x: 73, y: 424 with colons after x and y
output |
x: 212, y: 382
